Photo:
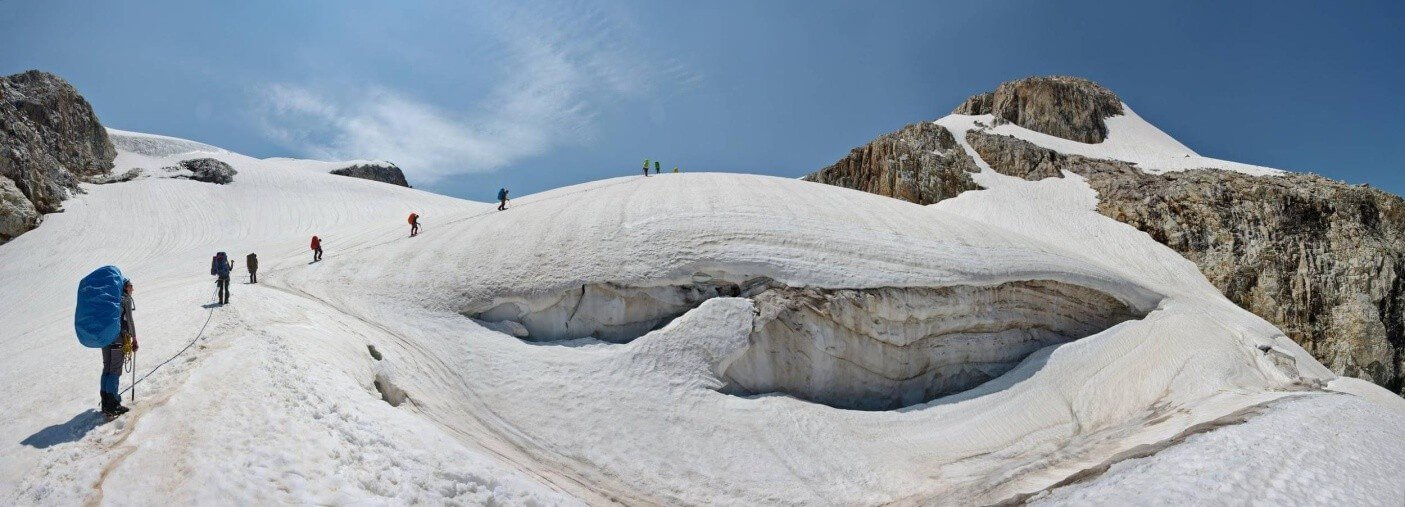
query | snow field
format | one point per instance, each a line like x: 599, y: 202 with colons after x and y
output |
x: 276, y: 402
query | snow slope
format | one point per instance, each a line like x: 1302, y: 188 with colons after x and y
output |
x: 1129, y: 138
x: 277, y: 398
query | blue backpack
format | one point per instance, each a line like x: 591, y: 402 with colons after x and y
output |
x: 220, y: 265
x: 502, y: 194
x: 98, y: 317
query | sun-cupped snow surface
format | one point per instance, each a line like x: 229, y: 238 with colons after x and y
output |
x: 1264, y: 460
x: 393, y: 370
x: 1129, y: 139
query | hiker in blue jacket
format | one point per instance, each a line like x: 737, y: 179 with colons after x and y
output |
x: 502, y: 198
x: 115, y: 354
x: 220, y: 267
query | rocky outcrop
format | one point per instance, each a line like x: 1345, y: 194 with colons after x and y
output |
x: 208, y: 170
x: 387, y: 173
x: 921, y: 163
x: 1322, y: 260
x: 50, y: 140
x: 1068, y: 107
x: 980, y: 103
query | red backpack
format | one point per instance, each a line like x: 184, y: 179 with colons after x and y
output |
x: 413, y: 216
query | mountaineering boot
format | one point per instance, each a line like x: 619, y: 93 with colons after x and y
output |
x: 108, y: 406
x: 117, y: 405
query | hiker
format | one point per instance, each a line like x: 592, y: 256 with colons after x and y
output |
x: 502, y: 198
x: 675, y: 169
x: 220, y: 266
x: 252, y: 264
x: 114, y: 355
x: 656, y: 167
x: 646, y: 168
x: 414, y: 224
x: 316, y: 249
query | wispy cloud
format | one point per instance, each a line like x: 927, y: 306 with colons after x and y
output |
x: 558, y: 68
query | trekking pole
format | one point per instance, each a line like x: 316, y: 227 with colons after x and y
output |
x: 134, y: 376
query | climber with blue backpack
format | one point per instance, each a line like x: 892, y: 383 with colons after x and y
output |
x: 103, y: 320
x: 220, y: 267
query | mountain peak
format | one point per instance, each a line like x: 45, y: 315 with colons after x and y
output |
x: 1069, y: 107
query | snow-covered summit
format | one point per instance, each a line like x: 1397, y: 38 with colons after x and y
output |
x: 680, y: 338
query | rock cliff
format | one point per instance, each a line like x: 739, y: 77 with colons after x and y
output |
x: 921, y: 163
x: 1068, y: 107
x: 50, y: 140
x: 1321, y: 259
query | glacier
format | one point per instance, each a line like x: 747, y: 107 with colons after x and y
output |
x: 1110, y: 367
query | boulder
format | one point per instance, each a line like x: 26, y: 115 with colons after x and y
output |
x: 17, y: 214
x: 384, y: 173
x: 208, y: 170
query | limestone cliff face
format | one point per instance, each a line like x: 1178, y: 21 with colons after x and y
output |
x: 921, y: 163
x: 49, y: 141
x: 1063, y: 106
x: 387, y: 173
x: 1322, y: 260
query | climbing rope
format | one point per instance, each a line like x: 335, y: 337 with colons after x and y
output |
x: 130, y: 364
x: 199, y: 334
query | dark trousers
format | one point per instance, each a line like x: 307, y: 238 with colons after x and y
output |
x: 414, y: 229
x: 502, y: 205
x: 112, y: 359
x: 223, y: 284
x: 254, y: 275
x: 317, y: 255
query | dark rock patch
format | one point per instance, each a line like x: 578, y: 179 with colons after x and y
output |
x: 208, y: 170
x: 116, y: 178
x: 387, y: 173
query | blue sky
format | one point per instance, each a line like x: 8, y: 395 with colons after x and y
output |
x: 468, y: 97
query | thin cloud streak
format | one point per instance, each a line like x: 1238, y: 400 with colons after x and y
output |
x: 559, y: 69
